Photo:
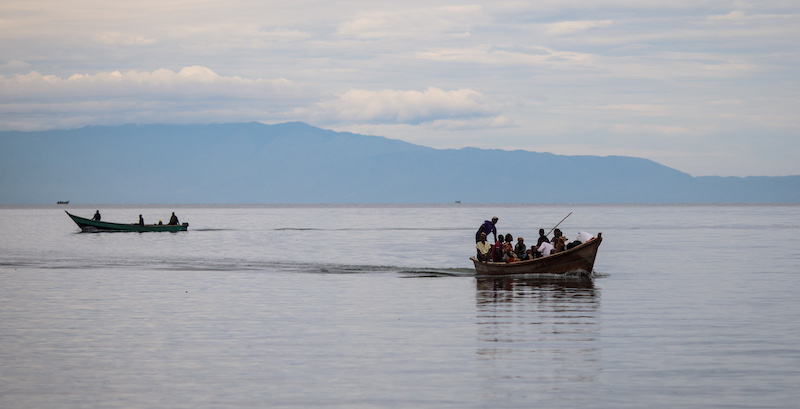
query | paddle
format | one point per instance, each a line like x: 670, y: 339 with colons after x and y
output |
x: 554, y: 227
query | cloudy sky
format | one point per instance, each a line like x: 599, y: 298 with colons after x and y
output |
x: 709, y: 87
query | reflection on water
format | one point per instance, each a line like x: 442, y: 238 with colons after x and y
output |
x: 538, y: 329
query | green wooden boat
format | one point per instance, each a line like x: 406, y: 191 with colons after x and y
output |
x: 89, y: 225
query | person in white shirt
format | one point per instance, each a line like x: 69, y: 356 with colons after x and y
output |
x: 545, y: 249
x: 484, y: 248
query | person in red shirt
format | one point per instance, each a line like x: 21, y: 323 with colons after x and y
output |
x: 497, y: 249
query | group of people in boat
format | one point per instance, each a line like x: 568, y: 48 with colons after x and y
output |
x: 503, y: 249
x: 173, y: 220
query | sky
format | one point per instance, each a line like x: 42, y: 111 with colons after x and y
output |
x: 708, y: 87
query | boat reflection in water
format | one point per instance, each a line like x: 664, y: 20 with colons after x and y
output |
x: 538, y: 329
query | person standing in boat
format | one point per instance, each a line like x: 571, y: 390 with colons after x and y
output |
x: 96, y: 216
x: 487, y: 227
x: 542, y: 238
x: 484, y: 249
x: 141, y: 221
x: 173, y: 220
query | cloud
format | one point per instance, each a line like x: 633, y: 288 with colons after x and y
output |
x: 571, y: 27
x: 407, y: 107
x: 199, y: 94
x: 283, y: 35
x: 733, y: 15
x: 524, y: 56
x: 192, y: 94
x: 638, y: 108
x: 649, y: 129
x: 15, y: 66
x: 412, y: 22
x: 492, y: 122
x: 122, y: 39
x: 194, y: 81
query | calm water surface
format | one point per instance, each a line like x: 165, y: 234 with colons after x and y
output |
x: 377, y: 307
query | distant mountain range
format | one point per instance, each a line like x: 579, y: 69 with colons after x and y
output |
x: 298, y: 163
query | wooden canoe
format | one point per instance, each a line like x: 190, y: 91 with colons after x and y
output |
x: 89, y: 225
x: 579, y: 259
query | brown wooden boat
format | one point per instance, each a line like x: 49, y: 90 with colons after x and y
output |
x: 578, y: 260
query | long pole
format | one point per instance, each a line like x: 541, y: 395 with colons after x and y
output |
x: 554, y: 227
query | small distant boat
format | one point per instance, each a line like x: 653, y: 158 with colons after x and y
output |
x: 579, y: 259
x: 62, y: 202
x: 89, y: 225
x: 458, y: 202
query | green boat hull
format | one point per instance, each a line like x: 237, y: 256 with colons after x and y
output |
x: 93, y: 226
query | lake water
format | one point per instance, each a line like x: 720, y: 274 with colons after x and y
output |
x: 691, y: 306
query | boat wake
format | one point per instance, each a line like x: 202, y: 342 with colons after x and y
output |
x: 229, y: 264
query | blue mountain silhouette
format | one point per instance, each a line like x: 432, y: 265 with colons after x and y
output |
x: 298, y: 163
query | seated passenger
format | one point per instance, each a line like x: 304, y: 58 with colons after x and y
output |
x: 96, y: 216
x: 508, y: 250
x: 559, y: 241
x: 173, y: 220
x: 546, y: 249
x: 497, y: 249
x: 520, y: 248
x: 141, y: 221
x: 484, y: 248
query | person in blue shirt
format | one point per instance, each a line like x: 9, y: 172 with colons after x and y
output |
x: 487, y: 227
